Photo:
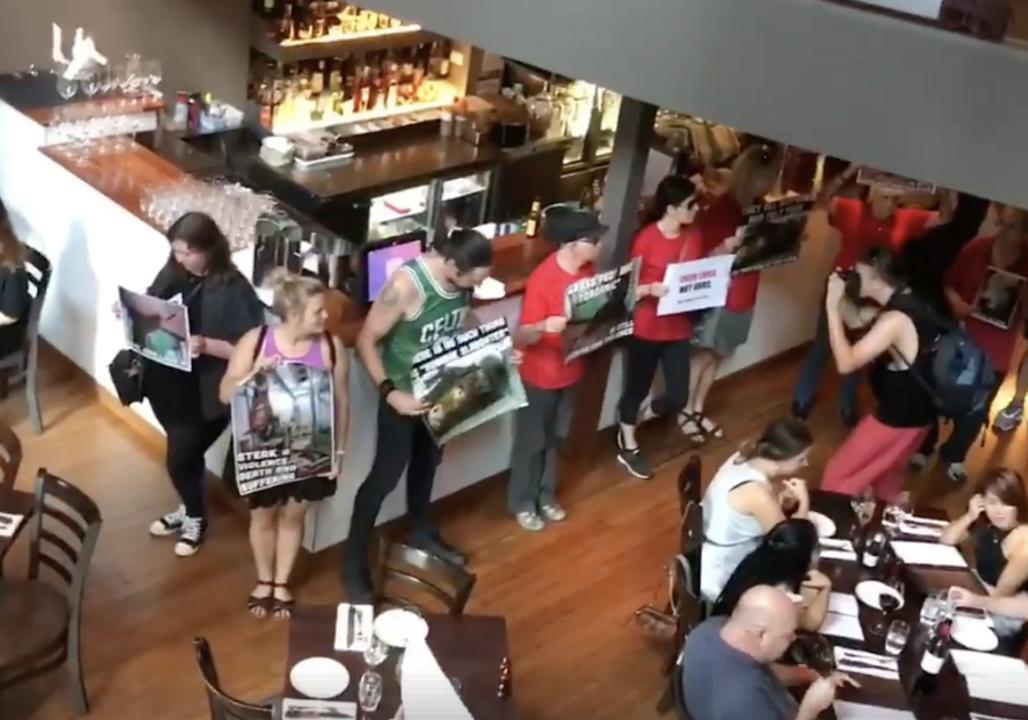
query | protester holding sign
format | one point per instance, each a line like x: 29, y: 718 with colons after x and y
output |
x: 277, y: 513
x: 222, y: 306
x: 666, y: 238
x: 965, y: 287
x: 424, y: 300
x: 549, y: 380
x: 724, y: 329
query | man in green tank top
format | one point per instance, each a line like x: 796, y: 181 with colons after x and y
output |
x: 423, y: 300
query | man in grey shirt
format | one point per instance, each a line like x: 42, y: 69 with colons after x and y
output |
x: 726, y: 665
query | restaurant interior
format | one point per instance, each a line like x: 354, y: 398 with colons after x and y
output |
x: 339, y: 141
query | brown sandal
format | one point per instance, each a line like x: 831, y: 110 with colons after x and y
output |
x: 282, y: 609
x: 263, y: 604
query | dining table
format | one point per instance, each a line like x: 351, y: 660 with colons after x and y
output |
x: 14, y: 502
x: 472, y: 650
x: 949, y: 699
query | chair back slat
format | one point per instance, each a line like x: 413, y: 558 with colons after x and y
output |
x: 65, y: 521
x: 422, y: 571
x: 689, y: 481
x: 38, y: 269
x: 10, y: 458
x: 222, y: 706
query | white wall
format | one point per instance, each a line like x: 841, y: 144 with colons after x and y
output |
x: 925, y: 103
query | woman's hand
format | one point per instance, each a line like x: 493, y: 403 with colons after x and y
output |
x: 817, y: 580
x: 517, y: 357
x: 734, y: 242
x: 975, y: 506
x: 962, y: 597
x: 265, y: 362
x: 658, y: 290
x: 836, y: 291
x: 406, y: 404
x: 197, y: 345
x: 554, y: 324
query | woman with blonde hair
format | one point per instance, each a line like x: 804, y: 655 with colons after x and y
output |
x: 15, y: 300
x: 747, y: 497
x: 277, y: 513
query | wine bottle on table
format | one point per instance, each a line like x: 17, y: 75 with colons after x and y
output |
x: 935, y: 653
x: 534, y: 217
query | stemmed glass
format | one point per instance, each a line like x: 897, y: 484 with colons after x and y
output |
x: 376, y: 652
x: 66, y: 88
x: 888, y: 603
x: 154, y: 74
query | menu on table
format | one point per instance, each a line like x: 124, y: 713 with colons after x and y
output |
x: 9, y: 524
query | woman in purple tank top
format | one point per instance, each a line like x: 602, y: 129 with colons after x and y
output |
x: 263, y: 355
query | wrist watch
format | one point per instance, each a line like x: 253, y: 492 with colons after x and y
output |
x: 385, y: 387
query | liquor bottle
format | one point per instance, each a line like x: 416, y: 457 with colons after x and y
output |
x: 287, y: 24
x: 874, y: 546
x: 319, y: 27
x: 534, y: 216
x: 318, y: 80
x: 407, y: 78
x: 357, y: 94
x: 935, y: 653
x: 304, y: 21
x: 444, y: 59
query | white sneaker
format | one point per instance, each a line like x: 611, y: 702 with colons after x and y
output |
x: 191, y: 537
x: 168, y: 524
x: 957, y: 472
x: 553, y: 512
x: 1008, y: 418
x: 530, y: 521
x: 918, y: 461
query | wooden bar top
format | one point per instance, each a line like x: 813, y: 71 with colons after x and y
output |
x: 125, y: 176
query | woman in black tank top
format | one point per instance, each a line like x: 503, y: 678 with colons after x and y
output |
x: 897, y: 346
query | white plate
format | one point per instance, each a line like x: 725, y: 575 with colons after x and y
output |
x: 320, y: 678
x: 396, y: 627
x: 823, y: 523
x: 869, y: 591
x: 974, y: 634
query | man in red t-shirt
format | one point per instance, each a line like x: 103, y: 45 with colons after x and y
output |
x: 860, y: 225
x: 549, y: 380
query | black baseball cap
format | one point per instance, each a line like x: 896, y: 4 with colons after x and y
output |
x: 564, y: 224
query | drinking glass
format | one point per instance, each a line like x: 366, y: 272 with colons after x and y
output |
x: 935, y: 608
x: 369, y: 691
x: 154, y: 74
x: 66, y: 88
x: 133, y: 74
x: 90, y: 83
x: 376, y: 653
x: 896, y: 637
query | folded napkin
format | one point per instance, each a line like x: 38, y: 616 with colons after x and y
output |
x: 843, y: 604
x: 425, y: 690
x: 856, y: 711
x: 993, y: 677
x: 846, y: 626
x: 858, y: 662
x: 844, y: 555
x: 926, y: 553
x: 357, y: 638
x: 916, y: 527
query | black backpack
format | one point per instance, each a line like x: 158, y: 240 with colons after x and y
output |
x: 961, y: 377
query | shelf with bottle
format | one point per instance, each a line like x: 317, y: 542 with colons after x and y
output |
x: 384, y: 89
x: 296, y: 31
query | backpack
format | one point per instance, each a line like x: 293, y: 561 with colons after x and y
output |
x: 961, y: 377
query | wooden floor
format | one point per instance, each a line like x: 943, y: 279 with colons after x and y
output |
x: 568, y: 593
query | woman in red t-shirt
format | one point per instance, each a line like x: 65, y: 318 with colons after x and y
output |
x: 665, y: 238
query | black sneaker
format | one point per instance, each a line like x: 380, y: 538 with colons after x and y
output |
x: 168, y: 524
x: 635, y: 463
x: 191, y: 536
x: 800, y: 411
x: 435, y: 545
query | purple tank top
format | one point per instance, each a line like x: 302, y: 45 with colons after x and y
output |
x: 314, y: 357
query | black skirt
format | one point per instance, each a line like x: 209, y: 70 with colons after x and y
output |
x: 309, y: 490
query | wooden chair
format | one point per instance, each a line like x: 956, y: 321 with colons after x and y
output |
x: 225, y: 707
x: 425, y: 575
x: 689, y: 481
x: 10, y: 458
x: 42, y: 619
x: 677, y: 690
x: 690, y: 543
x: 22, y: 365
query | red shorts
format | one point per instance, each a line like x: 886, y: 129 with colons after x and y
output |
x: 874, y: 455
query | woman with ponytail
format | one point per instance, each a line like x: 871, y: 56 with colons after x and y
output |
x: 666, y: 237
x: 747, y: 496
x: 277, y: 514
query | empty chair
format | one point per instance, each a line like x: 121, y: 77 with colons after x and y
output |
x: 42, y: 617
x: 410, y: 575
x: 10, y: 458
x: 21, y: 366
x: 224, y: 707
x: 689, y: 480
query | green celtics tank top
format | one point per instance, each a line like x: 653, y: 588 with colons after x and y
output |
x: 441, y: 314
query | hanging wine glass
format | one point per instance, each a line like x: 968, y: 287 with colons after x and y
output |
x: 66, y: 88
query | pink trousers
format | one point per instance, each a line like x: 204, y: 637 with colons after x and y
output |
x: 874, y: 455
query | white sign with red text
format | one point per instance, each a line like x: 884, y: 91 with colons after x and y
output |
x: 696, y: 285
